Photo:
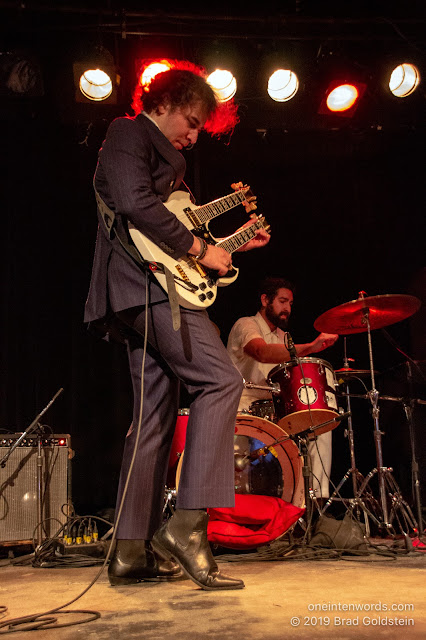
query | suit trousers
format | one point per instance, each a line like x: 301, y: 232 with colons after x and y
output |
x: 196, y: 357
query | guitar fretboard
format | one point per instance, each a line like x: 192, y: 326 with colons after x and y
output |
x: 237, y: 240
x: 215, y: 208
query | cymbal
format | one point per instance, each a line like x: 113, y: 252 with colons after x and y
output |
x: 384, y: 310
x: 347, y: 372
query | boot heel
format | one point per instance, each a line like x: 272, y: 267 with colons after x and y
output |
x: 115, y: 581
x: 159, y: 548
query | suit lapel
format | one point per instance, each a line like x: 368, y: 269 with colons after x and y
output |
x: 164, y: 147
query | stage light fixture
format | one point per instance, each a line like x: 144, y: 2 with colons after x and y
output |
x: 404, y: 80
x: 95, y: 76
x: 283, y: 85
x: 342, y: 98
x: 151, y: 70
x: 224, y: 84
x: 95, y: 84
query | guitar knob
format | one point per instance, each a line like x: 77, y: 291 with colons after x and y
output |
x: 202, y: 297
x: 209, y: 294
x: 202, y: 286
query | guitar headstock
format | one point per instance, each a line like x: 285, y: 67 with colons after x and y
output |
x: 249, y: 203
x: 265, y: 224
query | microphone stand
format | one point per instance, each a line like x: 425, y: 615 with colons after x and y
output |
x: 408, y: 408
x: 33, y: 427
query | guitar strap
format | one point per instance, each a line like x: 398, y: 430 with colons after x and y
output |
x: 112, y: 229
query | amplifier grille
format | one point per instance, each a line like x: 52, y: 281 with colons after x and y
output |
x: 18, y: 486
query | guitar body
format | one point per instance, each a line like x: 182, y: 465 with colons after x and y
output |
x: 196, y: 286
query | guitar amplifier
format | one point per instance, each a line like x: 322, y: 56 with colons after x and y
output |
x: 19, y: 486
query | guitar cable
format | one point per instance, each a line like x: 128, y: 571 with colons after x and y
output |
x: 45, y: 620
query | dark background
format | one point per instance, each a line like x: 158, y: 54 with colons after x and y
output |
x: 344, y: 198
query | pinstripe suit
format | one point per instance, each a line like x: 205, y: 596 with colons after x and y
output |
x: 137, y: 170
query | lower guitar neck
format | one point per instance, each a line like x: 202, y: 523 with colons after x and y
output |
x: 240, y: 238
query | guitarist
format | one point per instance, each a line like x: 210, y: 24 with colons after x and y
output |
x: 140, y: 164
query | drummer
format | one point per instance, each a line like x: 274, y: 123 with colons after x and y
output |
x: 257, y: 343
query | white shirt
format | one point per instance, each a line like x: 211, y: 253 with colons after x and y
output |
x: 243, y: 331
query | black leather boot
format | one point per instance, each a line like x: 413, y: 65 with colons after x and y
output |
x: 184, y: 538
x: 135, y: 561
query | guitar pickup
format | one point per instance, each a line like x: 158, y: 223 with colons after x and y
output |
x: 192, y: 217
x: 198, y: 266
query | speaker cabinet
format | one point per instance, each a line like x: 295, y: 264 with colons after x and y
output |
x: 19, y: 486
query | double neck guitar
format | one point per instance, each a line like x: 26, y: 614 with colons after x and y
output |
x: 197, y: 286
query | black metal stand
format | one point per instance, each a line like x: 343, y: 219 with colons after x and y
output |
x: 306, y: 471
x: 388, y: 488
x: 408, y: 408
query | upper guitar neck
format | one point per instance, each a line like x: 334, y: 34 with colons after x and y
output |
x: 211, y: 210
x: 240, y: 238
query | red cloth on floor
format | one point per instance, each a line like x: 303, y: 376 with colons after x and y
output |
x: 254, y: 521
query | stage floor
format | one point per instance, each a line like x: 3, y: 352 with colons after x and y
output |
x: 352, y: 597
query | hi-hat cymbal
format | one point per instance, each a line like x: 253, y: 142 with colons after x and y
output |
x: 347, y: 372
x: 383, y: 310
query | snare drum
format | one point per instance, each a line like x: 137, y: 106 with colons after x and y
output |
x: 307, y: 397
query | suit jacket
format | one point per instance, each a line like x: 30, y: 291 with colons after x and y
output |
x: 138, y: 168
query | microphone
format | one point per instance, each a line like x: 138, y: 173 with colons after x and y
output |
x: 291, y: 349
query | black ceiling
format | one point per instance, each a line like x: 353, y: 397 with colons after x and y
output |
x: 286, y: 19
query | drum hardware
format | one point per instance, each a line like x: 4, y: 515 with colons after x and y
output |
x: 169, y: 502
x: 408, y: 409
x: 273, y: 387
x: 364, y: 315
x: 357, y: 477
x: 302, y: 434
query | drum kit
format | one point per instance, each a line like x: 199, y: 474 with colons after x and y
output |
x: 271, y: 437
x: 305, y: 404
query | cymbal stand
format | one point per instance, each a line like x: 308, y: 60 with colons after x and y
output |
x: 357, y: 477
x: 385, y: 478
x: 408, y: 409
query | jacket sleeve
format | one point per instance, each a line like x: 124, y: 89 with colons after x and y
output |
x: 125, y: 176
